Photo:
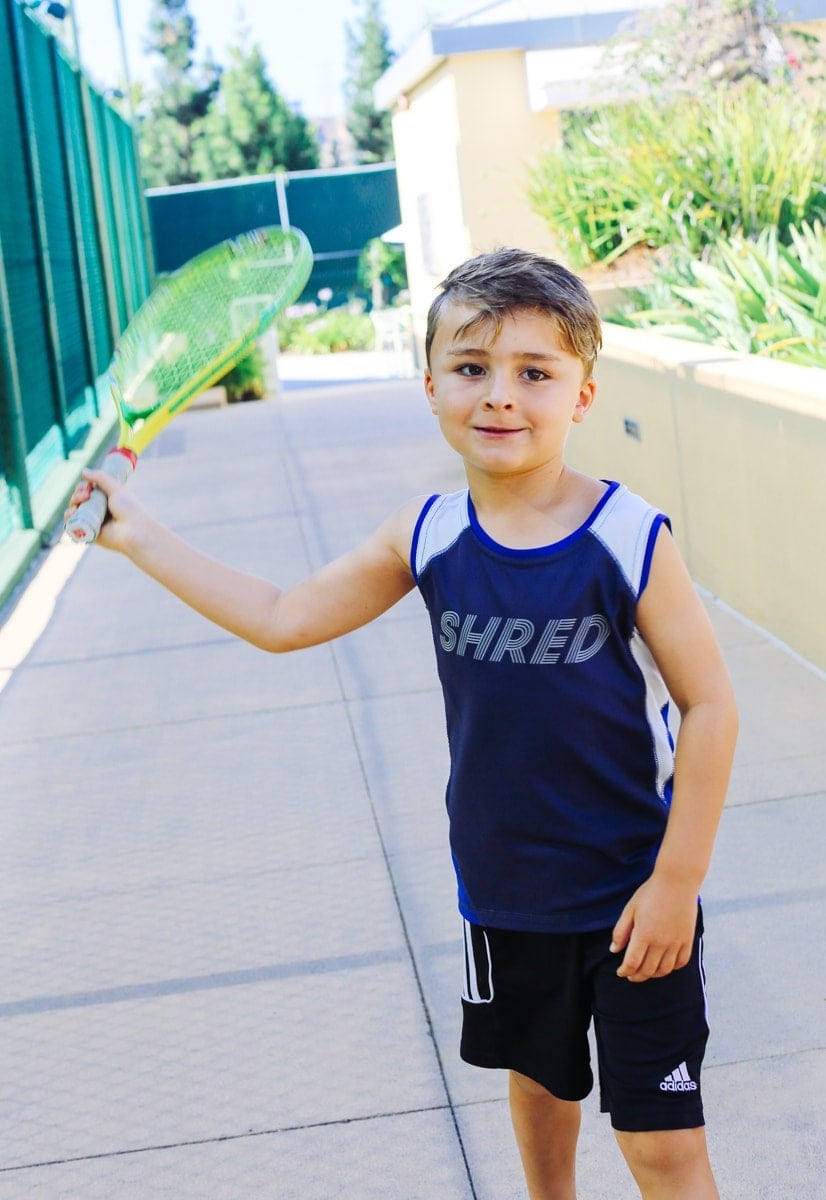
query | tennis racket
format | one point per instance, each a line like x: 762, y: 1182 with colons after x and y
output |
x: 195, y: 326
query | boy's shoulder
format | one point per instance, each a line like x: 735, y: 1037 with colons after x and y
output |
x: 620, y: 504
x: 442, y: 519
x: 627, y: 525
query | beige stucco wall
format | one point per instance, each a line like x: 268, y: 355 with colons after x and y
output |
x: 426, y: 144
x: 732, y: 447
x: 463, y: 140
x: 501, y: 137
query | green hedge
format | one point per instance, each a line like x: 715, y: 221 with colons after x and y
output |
x: 758, y: 297
x: 325, y: 332
x: 687, y: 171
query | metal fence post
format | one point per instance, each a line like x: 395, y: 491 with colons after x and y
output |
x: 146, y: 232
x: 16, y: 436
x: 40, y: 225
x: 93, y: 157
x: 90, y: 345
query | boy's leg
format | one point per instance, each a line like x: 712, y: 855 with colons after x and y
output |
x: 546, y: 1131
x: 526, y: 1009
x: 670, y: 1164
x: 651, y: 1038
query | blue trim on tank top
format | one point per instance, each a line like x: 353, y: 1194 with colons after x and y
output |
x: 414, y: 543
x: 658, y: 521
x: 540, y: 551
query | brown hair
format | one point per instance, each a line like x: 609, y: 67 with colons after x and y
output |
x: 504, y: 281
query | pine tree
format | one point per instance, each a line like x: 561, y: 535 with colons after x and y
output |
x: 369, y: 55
x: 250, y: 129
x: 176, y: 106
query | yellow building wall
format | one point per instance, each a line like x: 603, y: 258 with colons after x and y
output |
x: 500, y: 138
x: 426, y: 144
x: 464, y: 138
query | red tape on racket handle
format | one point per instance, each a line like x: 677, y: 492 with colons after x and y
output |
x: 85, y: 522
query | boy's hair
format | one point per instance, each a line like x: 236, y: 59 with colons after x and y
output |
x: 505, y: 281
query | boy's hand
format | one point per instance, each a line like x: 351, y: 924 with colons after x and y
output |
x: 125, y: 516
x: 656, y: 929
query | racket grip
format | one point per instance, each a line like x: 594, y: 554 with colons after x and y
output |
x: 85, y: 522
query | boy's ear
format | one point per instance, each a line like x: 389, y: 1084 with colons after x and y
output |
x: 430, y: 391
x: 587, y: 394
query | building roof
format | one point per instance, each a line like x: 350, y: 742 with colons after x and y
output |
x: 507, y: 25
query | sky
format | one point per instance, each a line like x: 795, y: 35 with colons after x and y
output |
x: 303, y: 42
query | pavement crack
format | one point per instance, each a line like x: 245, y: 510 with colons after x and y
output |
x: 217, y: 1139
x: 758, y: 1058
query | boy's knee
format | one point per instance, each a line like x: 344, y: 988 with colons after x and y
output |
x: 526, y: 1091
x: 667, y: 1153
x: 530, y: 1086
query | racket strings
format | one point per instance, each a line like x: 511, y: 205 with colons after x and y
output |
x: 203, y: 318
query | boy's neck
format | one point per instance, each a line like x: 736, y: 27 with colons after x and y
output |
x: 538, y: 509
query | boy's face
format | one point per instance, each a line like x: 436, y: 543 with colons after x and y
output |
x: 505, y: 403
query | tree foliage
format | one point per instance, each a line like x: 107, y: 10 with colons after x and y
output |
x: 250, y: 129
x: 382, y: 267
x: 201, y: 123
x: 368, y: 57
x: 180, y: 99
x: 690, y: 44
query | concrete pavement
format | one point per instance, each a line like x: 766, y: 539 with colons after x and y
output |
x: 231, y: 958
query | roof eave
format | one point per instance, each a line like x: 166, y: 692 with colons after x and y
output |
x: 439, y: 42
x: 418, y: 61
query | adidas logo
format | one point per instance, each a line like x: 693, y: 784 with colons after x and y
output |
x: 678, y: 1081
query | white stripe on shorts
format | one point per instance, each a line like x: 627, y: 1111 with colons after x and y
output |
x: 478, y: 985
x: 702, y: 966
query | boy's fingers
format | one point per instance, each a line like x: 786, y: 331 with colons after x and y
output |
x: 652, y: 962
x: 102, y: 480
x: 639, y: 964
x: 81, y: 493
x: 91, y: 479
x: 632, y: 961
x: 622, y: 931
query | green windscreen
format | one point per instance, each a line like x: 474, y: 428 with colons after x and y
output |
x: 74, y: 264
x: 27, y: 299
x: 89, y: 249
x: 71, y: 367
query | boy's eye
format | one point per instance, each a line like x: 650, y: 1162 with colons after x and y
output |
x: 470, y: 369
x: 535, y: 375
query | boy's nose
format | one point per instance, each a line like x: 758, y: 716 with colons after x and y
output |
x: 498, y: 395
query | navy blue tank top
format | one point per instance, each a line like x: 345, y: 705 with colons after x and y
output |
x: 557, y: 717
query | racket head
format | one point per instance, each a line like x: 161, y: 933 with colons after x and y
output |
x: 199, y: 322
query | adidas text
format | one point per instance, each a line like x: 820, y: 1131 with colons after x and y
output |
x: 678, y: 1081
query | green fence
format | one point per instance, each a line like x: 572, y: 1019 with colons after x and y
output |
x: 73, y: 268
x: 340, y: 210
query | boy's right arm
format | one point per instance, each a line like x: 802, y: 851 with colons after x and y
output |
x: 342, y: 596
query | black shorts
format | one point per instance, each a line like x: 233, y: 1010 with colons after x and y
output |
x: 528, y: 1002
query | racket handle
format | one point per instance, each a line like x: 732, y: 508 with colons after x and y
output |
x: 85, y: 522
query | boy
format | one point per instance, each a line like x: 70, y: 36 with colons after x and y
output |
x: 563, y: 620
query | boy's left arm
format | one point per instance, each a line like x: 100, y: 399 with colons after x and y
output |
x: 656, y: 927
